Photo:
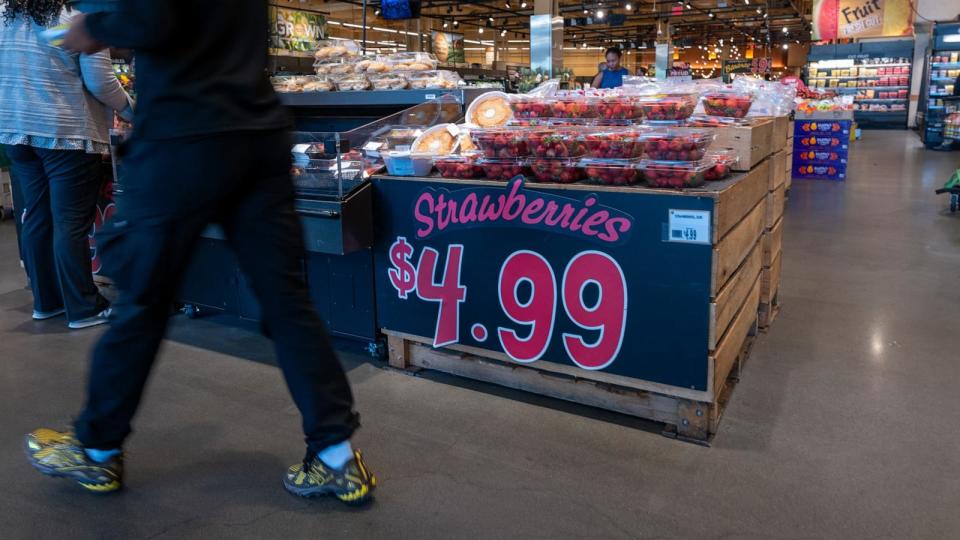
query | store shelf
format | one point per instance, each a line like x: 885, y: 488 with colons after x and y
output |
x: 878, y: 99
x: 943, y: 78
x: 849, y: 78
x: 880, y: 65
x: 872, y: 88
x: 376, y: 97
x: 947, y: 65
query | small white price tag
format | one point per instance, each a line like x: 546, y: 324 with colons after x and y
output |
x: 689, y: 227
x: 372, y: 145
x: 453, y: 129
x: 430, y: 96
x: 300, y: 148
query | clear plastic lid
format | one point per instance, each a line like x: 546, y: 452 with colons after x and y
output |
x: 504, y: 169
x: 555, y: 142
x: 434, y: 79
x: 459, y: 166
x: 491, y: 109
x: 667, y: 106
x: 353, y: 81
x: 727, y: 156
x: 675, y: 174
x: 727, y: 102
x: 500, y: 142
x: 372, y: 64
x: 334, y: 68
x: 618, y: 107
x: 563, y: 170
x: 573, y: 107
x: 703, y: 120
x: 529, y: 107
x: 413, y: 61
x: 611, y: 172
x: 441, y: 139
x: 301, y: 83
x: 615, y: 143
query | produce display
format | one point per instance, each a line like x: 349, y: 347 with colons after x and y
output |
x: 501, y: 142
x: 503, y: 169
x: 702, y: 120
x: 462, y: 166
x: 667, y: 107
x: 679, y: 144
x: 555, y: 143
x: 610, y: 172
x: 573, y: 107
x: 618, y: 108
x: 674, y: 174
x: 530, y: 107
x: 730, y: 104
x: 563, y: 171
x: 625, y: 143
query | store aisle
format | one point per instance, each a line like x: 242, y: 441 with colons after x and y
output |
x: 843, y: 424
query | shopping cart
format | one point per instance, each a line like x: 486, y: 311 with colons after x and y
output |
x: 953, y: 188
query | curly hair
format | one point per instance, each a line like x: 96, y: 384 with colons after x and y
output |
x: 43, y: 12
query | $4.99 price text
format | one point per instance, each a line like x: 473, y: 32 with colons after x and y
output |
x: 604, y: 320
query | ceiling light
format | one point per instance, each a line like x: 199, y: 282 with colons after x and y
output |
x: 503, y: 33
x: 456, y: 24
x: 491, y: 19
x: 710, y: 14
x: 523, y: 5
x: 765, y: 15
x: 377, y: 12
x: 689, y: 6
x: 600, y: 14
x: 507, y: 4
x: 585, y: 11
x: 445, y: 24
x: 759, y: 11
x: 480, y: 30
x: 785, y: 31
x: 785, y: 46
x: 747, y: 2
x: 629, y: 6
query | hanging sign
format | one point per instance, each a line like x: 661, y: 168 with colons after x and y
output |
x: 295, y: 30
x: 847, y: 19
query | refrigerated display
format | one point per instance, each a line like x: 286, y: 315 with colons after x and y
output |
x: 878, y: 75
x: 937, y: 100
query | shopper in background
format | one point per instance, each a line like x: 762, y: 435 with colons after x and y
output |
x: 612, y: 75
x: 210, y: 143
x: 55, y: 114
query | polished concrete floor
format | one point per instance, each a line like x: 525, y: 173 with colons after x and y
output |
x: 843, y: 426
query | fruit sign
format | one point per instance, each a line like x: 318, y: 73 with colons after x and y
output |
x: 598, y: 281
x: 846, y: 19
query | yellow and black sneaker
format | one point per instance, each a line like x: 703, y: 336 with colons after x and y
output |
x: 59, y: 454
x: 353, y: 484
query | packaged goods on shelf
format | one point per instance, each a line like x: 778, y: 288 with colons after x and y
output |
x: 677, y: 144
x: 412, y: 61
x: 351, y: 82
x: 674, y: 174
x: 301, y: 83
x: 387, y: 81
x: 730, y: 103
x: 463, y: 166
x: 625, y: 143
x: 375, y: 64
x: 406, y: 163
x: 336, y: 49
x: 610, y: 172
x: 490, y: 110
x: 442, y: 79
x: 561, y: 171
x: 723, y: 159
x: 504, y: 169
x: 501, y: 142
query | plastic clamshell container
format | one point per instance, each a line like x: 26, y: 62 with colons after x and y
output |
x: 615, y: 143
x: 412, y: 61
x: 387, y: 81
x: 501, y: 143
x: 438, y: 140
x: 667, y: 107
x: 503, y: 169
x: 618, y: 108
x: 300, y: 83
x: 334, y: 49
x: 462, y: 166
x: 727, y: 103
x: 402, y: 138
x: 703, y: 120
x: 527, y: 107
x: 407, y: 163
x: 611, y: 172
x: 677, y: 144
x: 573, y: 107
x: 354, y: 81
x: 723, y: 160
x: 491, y: 109
x: 336, y: 68
x: 560, y: 171
x: 674, y: 174
x: 433, y: 79
x: 555, y: 142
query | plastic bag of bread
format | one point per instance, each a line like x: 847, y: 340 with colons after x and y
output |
x: 336, y: 49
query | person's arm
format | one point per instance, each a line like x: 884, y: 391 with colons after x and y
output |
x: 136, y: 24
x: 99, y: 79
x: 597, y: 80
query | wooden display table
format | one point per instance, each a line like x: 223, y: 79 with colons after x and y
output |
x: 631, y: 299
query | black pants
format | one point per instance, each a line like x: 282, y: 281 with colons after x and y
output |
x: 171, y: 190
x: 59, y: 190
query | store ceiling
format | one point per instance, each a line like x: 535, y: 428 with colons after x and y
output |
x: 595, y: 22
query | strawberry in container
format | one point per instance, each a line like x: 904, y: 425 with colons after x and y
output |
x: 679, y: 144
x: 723, y: 160
x: 459, y: 166
x: 563, y: 171
x: 610, y: 172
x: 501, y: 143
x: 727, y: 103
x: 618, y: 108
x: 503, y: 169
x: 570, y: 107
x: 614, y: 143
x: 667, y: 107
x: 702, y: 120
x: 674, y: 174
x: 530, y: 107
x: 555, y: 143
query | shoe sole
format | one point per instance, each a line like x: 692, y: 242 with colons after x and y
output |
x: 359, y: 497
x: 115, y: 485
x: 90, y: 324
x: 48, y: 316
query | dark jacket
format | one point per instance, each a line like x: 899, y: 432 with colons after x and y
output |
x: 201, y: 66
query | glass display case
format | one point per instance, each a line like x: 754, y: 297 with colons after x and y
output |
x: 937, y: 99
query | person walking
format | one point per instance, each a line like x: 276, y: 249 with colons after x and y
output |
x: 210, y: 143
x: 612, y: 74
x: 55, y: 114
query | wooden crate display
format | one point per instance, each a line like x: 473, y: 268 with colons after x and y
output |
x: 752, y: 143
x: 739, y: 213
x: 770, y: 292
x: 776, y: 204
x: 778, y: 169
x: 772, y: 243
x: 781, y: 128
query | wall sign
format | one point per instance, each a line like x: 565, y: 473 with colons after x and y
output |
x: 295, y: 30
x: 448, y: 47
x: 846, y: 19
x: 592, y: 280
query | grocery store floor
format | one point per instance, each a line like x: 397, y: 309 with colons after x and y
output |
x: 843, y: 426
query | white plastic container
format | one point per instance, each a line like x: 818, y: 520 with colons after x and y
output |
x: 408, y: 163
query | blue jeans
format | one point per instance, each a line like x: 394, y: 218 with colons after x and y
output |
x: 59, y: 190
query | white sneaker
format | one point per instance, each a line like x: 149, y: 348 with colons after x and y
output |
x: 44, y: 315
x: 101, y: 318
